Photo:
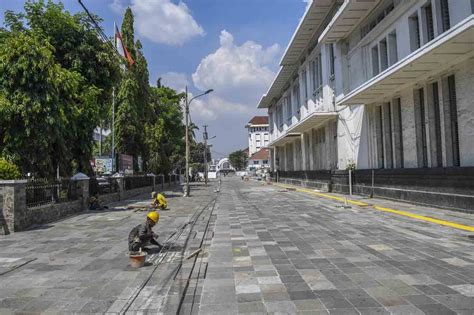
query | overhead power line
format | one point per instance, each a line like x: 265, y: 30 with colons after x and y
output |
x: 99, y: 30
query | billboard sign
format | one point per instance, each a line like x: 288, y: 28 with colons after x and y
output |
x: 103, y: 165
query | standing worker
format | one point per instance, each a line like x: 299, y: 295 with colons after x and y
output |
x: 159, y: 201
x: 142, y: 235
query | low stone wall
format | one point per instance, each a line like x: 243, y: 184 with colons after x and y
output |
x: 451, y: 188
x: 108, y: 198
x: 46, y: 214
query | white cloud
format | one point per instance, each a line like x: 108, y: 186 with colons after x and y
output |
x: 237, y: 73
x: 239, y: 76
x: 117, y: 6
x: 175, y: 80
x: 164, y: 22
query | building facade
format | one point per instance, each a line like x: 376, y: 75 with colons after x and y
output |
x: 383, y: 85
x: 258, y: 134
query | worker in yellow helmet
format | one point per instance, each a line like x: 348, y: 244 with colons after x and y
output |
x: 142, y: 235
x: 159, y: 201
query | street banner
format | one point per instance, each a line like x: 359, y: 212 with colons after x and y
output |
x: 103, y: 165
x: 126, y: 164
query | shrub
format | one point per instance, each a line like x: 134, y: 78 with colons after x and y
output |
x: 8, y: 170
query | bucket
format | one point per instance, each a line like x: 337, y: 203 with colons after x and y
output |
x: 137, y: 259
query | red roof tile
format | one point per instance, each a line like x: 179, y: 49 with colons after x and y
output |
x: 263, y: 154
x: 259, y: 120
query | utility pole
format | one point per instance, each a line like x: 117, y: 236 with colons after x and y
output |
x: 113, y: 112
x: 205, y: 137
x: 186, y: 111
x: 186, y: 114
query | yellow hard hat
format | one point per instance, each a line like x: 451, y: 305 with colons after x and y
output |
x: 154, y: 216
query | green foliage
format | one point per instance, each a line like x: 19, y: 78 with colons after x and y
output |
x: 238, y: 159
x: 56, y: 78
x: 56, y: 81
x: 8, y: 170
x: 164, y: 130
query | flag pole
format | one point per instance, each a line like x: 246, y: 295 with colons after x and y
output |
x: 113, y: 111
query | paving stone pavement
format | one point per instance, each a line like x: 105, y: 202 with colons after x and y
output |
x: 275, y: 251
x: 264, y: 251
x: 80, y: 264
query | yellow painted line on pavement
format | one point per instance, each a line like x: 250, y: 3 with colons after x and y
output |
x: 428, y: 219
x: 384, y: 209
x: 312, y: 192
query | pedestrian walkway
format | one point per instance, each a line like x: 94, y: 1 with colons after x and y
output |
x: 458, y: 220
x: 279, y: 251
x: 80, y: 265
x: 262, y: 249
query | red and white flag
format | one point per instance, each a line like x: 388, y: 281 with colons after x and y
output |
x: 126, y: 53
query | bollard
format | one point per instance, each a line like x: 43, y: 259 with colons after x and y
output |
x: 162, y: 182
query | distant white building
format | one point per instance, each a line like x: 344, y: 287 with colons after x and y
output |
x: 259, y: 136
x: 259, y: 160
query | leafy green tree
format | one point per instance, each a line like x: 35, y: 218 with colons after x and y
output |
x: 238, y: 159
x: 55, y: 81
x: 164, y: 132
x: 133, y: 95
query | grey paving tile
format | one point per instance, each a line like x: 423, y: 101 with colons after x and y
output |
x: 435, y: 309
x: 249, y: 297
x: 251, y: 307
x: 301, y: 295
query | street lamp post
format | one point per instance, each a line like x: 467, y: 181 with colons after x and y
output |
x: 187, y: 103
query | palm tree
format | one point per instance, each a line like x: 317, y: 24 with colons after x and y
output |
x: 191, y: 130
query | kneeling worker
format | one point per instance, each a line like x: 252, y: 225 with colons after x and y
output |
x: 142, y: 235
x: 159, y: 201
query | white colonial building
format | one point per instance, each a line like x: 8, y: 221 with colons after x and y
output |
x: 258, y: 134
x: 379, y: 84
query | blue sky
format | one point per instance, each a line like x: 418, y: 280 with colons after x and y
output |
x: 232, y: 46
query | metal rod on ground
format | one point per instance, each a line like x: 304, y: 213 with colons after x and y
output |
x: 350, y: 182
x: 194, y: 253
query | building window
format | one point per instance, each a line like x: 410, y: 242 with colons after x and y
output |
x: 255, y: 162
x: 270, y: 121
x: 312, y: 70
x: 375, y: 61
x: 377, y: 19
x: 280, y: 116
x: 414, y: 27
x: 392, y: 48
x: 397, y: 133
x: 331, y: 60
x: 379, y: 136
x: 420, y: 126
x: 265, y: 162
x: 296, y: 94
x: 305, y: 84
x: 453, y: 117
x: 438, y: 154
x: 320, y: 72
x: 443, y: 16
x: 388, y: 132
x: 288, y: 109
x: 317, y: 75
x: 383, y: 54
x: 428, y: 23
